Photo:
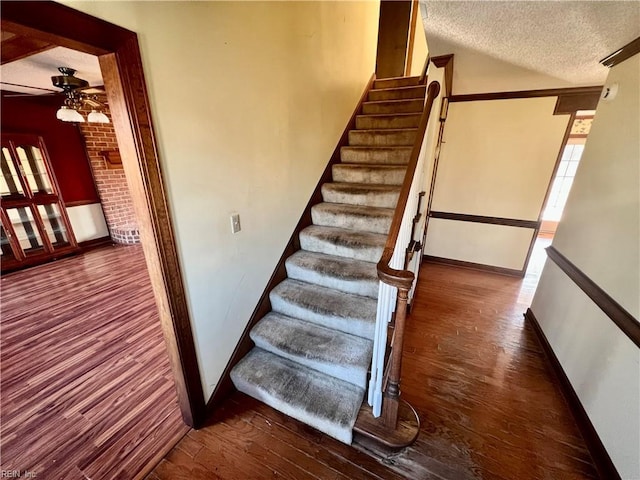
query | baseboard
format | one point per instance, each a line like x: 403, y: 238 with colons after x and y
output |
x: 95, y: 243
x: 598, y: 452
x: 474, y: 266
x: 225, y: 387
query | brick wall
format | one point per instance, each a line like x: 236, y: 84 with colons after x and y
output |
x: 110, y: 182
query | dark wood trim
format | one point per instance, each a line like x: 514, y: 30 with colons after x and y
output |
x: 20, y: 47
x: 616, y: 312
x: 95, y: 243
x: 121, y: 66
x: 130, y: 111
x: 225, y: 386
x: 51, y: 22
x: 79, y: 203
x: 629, y: 50
x: 598, y: 452
x: 552, y: 92
x: 512, y: 272
x: 463, y: 217
x: 570, y: 104
x: 446, y: 62
x: 412, y: 36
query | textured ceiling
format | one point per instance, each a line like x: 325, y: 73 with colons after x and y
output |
x: 560, y: 39
x: 37, y: 70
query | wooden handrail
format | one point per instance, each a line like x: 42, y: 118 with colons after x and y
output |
x: 402, y: 279
x: 391, y: 276
x: 423, y: 75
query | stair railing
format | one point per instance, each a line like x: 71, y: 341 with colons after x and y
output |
x: 396, y: 282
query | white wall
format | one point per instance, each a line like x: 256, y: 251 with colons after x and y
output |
x: 248, y: 100
x: 497, y: 161
x: 87, y: 222
x: 600, y: 234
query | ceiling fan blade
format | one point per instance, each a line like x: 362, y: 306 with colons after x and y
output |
x: 16, y: 94
x: 28, y: 86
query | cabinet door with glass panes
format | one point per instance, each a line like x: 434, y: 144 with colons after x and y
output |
x: 34, y: 225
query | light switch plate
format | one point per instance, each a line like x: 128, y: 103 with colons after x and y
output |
x: 235, y: 223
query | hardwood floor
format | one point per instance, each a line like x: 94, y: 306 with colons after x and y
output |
x: 86, y: 388
x: 473, y: 370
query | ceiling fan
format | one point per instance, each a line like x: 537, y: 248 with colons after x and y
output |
x: 77, y: 92
x: 74, y: 89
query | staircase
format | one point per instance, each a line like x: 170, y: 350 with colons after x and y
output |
x: 313, y: 350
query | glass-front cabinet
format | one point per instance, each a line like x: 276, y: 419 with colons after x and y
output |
x: 34, y: 226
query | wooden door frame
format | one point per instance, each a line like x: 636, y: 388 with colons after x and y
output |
x: 121, y: 64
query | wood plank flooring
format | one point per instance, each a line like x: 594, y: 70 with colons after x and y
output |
x: 86, y: 387
x: 472, y: 369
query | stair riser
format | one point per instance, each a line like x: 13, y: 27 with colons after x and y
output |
x: 364, y: 198
x: 274, y: 334
x: 367, y: 254
x: 402, y: 106
x: 396, y: 82
x: 397, y: 94
x: 358, y: 379
x: 364, y: 138
x: 359, y: 174
x: 367, y: 288
x: 364, y: 122
x: 351, y: 221
x: 347, y: 325
x: 272, y: 380
x: 373, y: 156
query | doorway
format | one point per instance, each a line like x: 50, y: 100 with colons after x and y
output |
x: 119, y: 57
x: 560, y: 187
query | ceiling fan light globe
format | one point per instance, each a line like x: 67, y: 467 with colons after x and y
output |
x: 97, y: 117
x: 67, y: 114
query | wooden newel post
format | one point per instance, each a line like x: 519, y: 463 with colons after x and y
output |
x: 391, y: 400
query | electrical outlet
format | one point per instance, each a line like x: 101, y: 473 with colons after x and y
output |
x: 235, y: 223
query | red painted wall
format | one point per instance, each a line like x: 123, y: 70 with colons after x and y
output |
x: 37, y: 115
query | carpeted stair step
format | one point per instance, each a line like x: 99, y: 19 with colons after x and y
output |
x: 343, y: 274
x: 377, y: 174
x: 354, y: 217
x: 329, y: 308
x: 400, y: 120
x: 376, y: 155
x: 395, y: 82
x: 384, y: 196
x: 393, y: 106
x: 397, y: 93
x: 321, y: 401
x: 338, y: 354
x: 384, y: 137
x: 343, y: 243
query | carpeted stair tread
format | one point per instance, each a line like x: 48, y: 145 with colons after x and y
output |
x: 393, y: 106
x: 344, y: 274
x: 354, y: 217
x: 385, y: 137
x: 370, y: 174
x: 341, y: 242
x: 345, y: 312
x: 398, y: 120
x: 394, y: 82
x: 397, y: 93
x: 321, y: 401
x: 338, y: 354
x: 385, y: 196
x: 376, y: 155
